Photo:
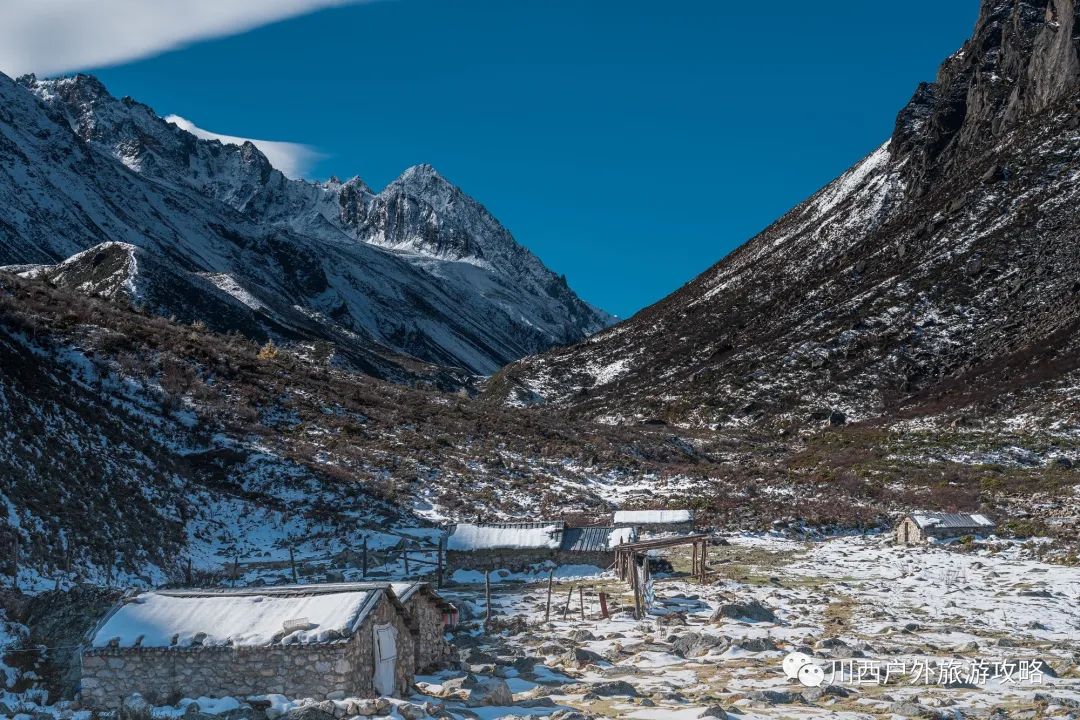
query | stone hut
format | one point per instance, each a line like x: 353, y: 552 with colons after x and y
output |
x: 431, y: 615
x: 655, y: 521
x: 319, y: 641
x: 919, y: 527
x: 514, y: 546
x: 593, y: 545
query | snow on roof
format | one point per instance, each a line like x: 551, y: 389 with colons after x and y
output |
x: 652, y: 517
x: 509, y: 536
x: 951, y: 520
x: 252, y: 618
x: 405, y: 590
x: 621, y: 536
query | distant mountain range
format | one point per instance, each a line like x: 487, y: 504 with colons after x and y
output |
x: 417, y: 282
x: 939, y: 276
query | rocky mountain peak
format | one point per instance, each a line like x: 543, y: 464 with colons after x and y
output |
x: 1023, y: 57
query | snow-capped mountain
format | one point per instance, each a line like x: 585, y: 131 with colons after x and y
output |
x: 940, y: 272
x: 417, y: 272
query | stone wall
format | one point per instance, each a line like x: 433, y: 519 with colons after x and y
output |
x: 342, y: 668
x: 430, y: 632
x: 599, y: 558
x: 513, y: 560
x: 914, y: 534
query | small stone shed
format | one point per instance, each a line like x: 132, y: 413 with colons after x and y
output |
x: 592, y: 545
x: 655, y: 521
x: 431, y: 615
x: 492, y: 546
x: 918, y: 527
x: 320, y: 641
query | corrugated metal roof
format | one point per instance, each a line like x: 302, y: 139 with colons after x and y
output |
x: 506, y: 536
x: 590, y: 539
x: 952, y: 521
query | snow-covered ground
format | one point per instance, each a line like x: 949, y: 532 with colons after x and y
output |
x: 947, y: 630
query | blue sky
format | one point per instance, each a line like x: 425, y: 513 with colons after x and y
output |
x: 629, y: 144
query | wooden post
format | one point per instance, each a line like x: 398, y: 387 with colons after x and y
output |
x: 439, y: 562
x: 547, y: 612
x: 292, y: 564
x: 363, y: 569
x: 487, y: 600
x: 704, y: 562
x: 603, y: 605
x: 569, y: 597
x: 634, y: 583
x: 693, y: 562
x: 581, y: 600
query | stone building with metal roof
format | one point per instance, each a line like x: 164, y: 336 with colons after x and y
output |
x: 919, y: 527
x: 318, y: 641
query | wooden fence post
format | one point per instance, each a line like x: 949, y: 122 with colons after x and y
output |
x: 569, y: 597
x: 603, y: 605
x: 547, y: 612
x: 637, y: 587
x: 292, y: 564
x: 581, y: 600
x: 439, y: 562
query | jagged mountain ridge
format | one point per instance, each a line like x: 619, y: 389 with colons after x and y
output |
x: 939, y: 272
x: 418, y: 271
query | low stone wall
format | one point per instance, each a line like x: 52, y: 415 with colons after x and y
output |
x: 344, y: 668
x: 599, y: 558
x: 512, y: 560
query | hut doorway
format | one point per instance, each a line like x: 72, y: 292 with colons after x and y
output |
x: 385, y: 659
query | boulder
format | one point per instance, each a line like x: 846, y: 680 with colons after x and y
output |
x: 613, y: 687
x: 813, y: 694
x: 714, y: 712
x: 752, y: 611
x: 492, y: 691
x: 774, y: 697
x: 912, y: 709
x: 310, y: 712
x: 757, y: 644
x: 580, y: 657
x: 411, y: 711
x: 694, y: 644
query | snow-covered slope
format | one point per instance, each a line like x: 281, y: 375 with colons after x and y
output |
x: 940, y: 272
x: 418, y: 271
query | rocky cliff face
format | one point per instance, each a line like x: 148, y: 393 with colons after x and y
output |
x: 418, y: 272
x: 1020, y: 60
x: 940, y: 275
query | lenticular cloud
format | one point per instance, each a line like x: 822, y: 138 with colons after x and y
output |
x: 48, y: 37
x: 294, y: 160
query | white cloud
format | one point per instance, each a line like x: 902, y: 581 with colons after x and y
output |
x: 56, y: 36
x: 294, y: 160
